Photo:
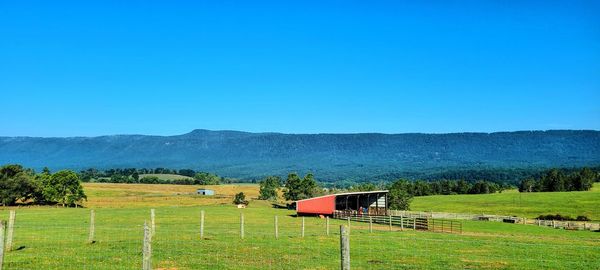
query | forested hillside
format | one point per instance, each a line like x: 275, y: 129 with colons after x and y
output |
x: 331, y: 157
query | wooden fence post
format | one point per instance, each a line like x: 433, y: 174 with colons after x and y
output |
x: 390, y: 222
x: 276, y: 228
x: 302, y: 226
x: 348, y: 224
x: 344, y: 247
x: 242, y: 225
x: 2, y: 229
x: 147, y: 249
x: 402, y: 223
x: 370, y: 224
x: 92, y: 226
x: 414, y: 224
x: 327, y: 224
x: 152, y: 224
x: 202, y: 224
x: 11, y: 230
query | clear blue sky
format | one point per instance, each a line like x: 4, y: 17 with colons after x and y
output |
x: 81, y: 68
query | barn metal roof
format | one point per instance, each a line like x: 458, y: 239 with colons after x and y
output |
x: 347, y: 193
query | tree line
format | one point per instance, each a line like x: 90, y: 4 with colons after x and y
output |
x: 401, y: 191
x: 21, y: 185
x: 135, y: 176
x: 555, y: 180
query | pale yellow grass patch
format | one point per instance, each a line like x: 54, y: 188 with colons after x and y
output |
x: 143, y: 195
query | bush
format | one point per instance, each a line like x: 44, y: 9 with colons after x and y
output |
x: 563, y: 218
x: 240, y: 198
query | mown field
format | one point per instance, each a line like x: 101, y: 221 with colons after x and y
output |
x: 55, y: 238
x: 511, y: 202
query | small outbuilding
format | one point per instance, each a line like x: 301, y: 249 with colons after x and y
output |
x: 366, y: 202
x: 206, y: 192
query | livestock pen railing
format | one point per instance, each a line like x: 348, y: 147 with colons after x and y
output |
x: 404, y: 222
x: 562, y: 224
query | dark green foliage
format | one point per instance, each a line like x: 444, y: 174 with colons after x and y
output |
x: 204, y: 178
x: 16, y: 184
x: 240, y: 198
x: 21, y: 185
x: 268, y: 188
x: 293, y: 187
x: 298, y: 189
x: 561, y: 217
x: 399, y: 197
x: 556, y: 180
x: 363, y: 187
x: 187, y: 172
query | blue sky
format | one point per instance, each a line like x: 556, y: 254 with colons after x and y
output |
x: 86, y: 68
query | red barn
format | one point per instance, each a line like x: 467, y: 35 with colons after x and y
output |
x: 366, y: 202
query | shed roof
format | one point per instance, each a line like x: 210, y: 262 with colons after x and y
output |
x: 347, y: 193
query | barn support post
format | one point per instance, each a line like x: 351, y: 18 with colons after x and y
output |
x: 10, y: 230
x: 386, y: 203
x: 202, y: 224
x: 302, y: 226
x: 242, y: 225
x: 152, y: 224
x: 92, y: 226
x: 344, y: 248
x: 327, y: 225
x: 147, y: 249
x: 2, y: 229
x: 276, y: 228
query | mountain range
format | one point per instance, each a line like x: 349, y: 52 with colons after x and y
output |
x: 331, y: 157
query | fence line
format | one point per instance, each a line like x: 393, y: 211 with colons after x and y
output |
x: 571, y: 225
x: 414, y: 223
x: 176, y: 239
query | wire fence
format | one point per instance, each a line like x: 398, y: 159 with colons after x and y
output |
x: 211, y: 240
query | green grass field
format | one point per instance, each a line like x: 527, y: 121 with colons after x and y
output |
x: 511, y: 202
x: 55, y: 238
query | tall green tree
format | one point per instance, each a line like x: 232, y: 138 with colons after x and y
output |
x: 16, y: 184
x: 293, y: 187
x: 308, y: 186
x: 268, y: 188
x: 64, y: 187
x: 399, y: 197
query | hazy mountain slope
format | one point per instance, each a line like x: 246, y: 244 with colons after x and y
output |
x: 331, y: 156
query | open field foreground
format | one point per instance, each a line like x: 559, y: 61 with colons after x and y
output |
x: 56, y: 238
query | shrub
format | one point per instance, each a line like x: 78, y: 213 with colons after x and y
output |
x: 240, y: 198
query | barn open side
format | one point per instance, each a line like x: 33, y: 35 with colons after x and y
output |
x: 364, y: 202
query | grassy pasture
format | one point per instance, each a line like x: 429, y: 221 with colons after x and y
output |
x: 55, y: 238
x: 512, y: 202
